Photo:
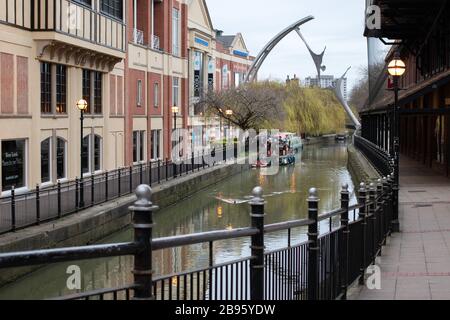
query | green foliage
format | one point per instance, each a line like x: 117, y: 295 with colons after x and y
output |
x: 313, y: 111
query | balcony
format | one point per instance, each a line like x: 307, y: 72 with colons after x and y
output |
x: 155, y: 43
x: 65, y: 18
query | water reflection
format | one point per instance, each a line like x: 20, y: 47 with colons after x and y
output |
x: 223, y: 206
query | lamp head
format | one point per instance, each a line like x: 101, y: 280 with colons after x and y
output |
x: 396, y: 67
x: 82, y: 105
x: 175, y: 109
x: 229, y: 112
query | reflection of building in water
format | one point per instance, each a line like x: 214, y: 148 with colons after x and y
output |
x: 293, y: 182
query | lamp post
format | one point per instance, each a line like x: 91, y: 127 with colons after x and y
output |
x: 396, y: 69
x: 82, y: 105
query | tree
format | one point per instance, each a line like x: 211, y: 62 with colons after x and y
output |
x: 313, y: 111
x: 254, y: 105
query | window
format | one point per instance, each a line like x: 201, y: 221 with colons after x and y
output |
x: 97, y: 153
x: 45, y: 161
x: 52, y: 90
x: 48, y: 159
x: 113, y: 8
x: 156, y: 95
x: 198, y: 73
x: 91, y: 153
x: 87, y: 88
x: 98, y: 76
x: 85, y: 2
x: 93, y: 93
x: 175, y: 91
x: 85, y: 155
x: 225, y: 77
x: 139, y: 93
x: 138, y: 146
x: 13, y: 164
x: 60, y: 158
x: 46, y: 88
x: 175, y: 32
x: 61, y: 89
x: 155, y: 140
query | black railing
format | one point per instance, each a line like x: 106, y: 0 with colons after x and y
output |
x: 379, y: 158
x: 19, y: 211
x: 321, y: 267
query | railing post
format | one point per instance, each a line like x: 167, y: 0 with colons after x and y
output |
x: 373, y: 218
x: 159, y: 171
x: 392, y: 203
x: 13, y: 209
x: 59, y: 199
x: 143, y: 227
x: 345, y: 196
x: 380, y: 204
x: 362, y: 215
x: 192, y: 162
x: 140, y: 173
x: 313, y: 245
x: 119, y: 185
x: 130, y: 169
x: 167, y: 169
x: 38, y: 205
x: 385, y: 209
x: 77, y: 204
x: 257, y: 246
x: 92, y: 189
x: 150, y: 169
x: 174, y: 168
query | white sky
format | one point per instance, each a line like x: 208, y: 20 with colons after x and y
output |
x: 338, y: 24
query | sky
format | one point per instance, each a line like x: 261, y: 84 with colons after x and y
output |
x: 338, y: 25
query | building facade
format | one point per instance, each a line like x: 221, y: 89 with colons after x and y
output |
x: 53, y: 53
x: 135, y: 62
x: 326, y: 81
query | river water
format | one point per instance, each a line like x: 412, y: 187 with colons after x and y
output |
x: 222, y: 206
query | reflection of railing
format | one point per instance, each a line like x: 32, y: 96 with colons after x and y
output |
x: 322, y: 267
x: 66, y: 17
x: 138, y: 36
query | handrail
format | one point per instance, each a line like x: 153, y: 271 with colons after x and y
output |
x: 287, y: 225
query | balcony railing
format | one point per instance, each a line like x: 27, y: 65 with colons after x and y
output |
x: 138, y: 36
x: 155, y: 42
x: 65, y: 17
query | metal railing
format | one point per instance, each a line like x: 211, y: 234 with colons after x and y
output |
x: 155, y: 42
x: 19, y: 211
x: 321, y: 267
x: 379, y: 158
x: 138, y: 36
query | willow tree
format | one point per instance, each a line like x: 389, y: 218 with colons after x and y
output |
x: 313, y: 111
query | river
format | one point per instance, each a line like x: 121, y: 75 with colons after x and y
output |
x: 222, y: 206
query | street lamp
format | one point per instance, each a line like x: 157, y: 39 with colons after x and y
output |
x: 82, y: 105
x: 229, y: 113
x: 396, y: 69
x: 175, y: 111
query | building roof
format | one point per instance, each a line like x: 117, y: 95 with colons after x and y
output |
x: 227, y: 41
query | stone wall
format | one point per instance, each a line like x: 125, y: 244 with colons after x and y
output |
x: 359, y: 167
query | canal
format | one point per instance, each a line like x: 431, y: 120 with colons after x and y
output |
x: 222, y: 206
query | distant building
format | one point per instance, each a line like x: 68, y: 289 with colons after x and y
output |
x: 326, y: 81
x: 294, y: 79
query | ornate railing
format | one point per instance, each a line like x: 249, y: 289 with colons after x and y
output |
x: 321, y: 267
x: 379, y: 158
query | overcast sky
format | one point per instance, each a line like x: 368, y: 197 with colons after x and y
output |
x: 338, y: 24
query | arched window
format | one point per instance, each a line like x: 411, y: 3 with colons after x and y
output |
x: 46, y: 161
x: 85, y: 154
x: 97, y: 153
x: 91, y: 153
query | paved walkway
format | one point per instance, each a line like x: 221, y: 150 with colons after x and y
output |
x: 415, y: 264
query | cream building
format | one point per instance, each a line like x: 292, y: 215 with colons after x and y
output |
x: 53, y: 53
x: 216, y: 62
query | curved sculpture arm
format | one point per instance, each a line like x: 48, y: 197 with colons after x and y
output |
x: 340, y: 96
x: 253, y: 71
